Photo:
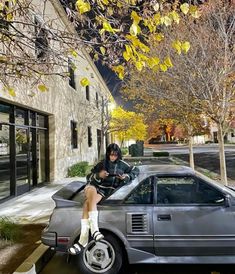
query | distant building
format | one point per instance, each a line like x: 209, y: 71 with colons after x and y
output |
x: 44, y: 133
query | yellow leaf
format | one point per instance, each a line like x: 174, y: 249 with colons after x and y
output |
x: 163, y: 67
x: 42, y: 88
x: 119, y: 4
x: 126, y: 56
x: 84, y: 82
x: 82, y: 6
x: 128, y: 49
x: 185, y: 46
x: 143, y: 47
x: 119, y: 70
x: 184, y: 8
x: 157, y: 19
x: 96, y: 57
x: 107, y: 27
x: 159, y: 37
x: 139, y: 65
x: 152, y: 62
x: 135, y: 17
x: 156, y: 7
x: 168, y: 62
x: 166, y: 20
x: 9, y: 17
x: 110, y: 11
x: 103, y: 50
x: 74, y: 53
x: 105, y: 2
x: 134, y: 29
x: 175, y: 16
x: 193, y: 10
x: 177, y: 45
x: 11, y: 92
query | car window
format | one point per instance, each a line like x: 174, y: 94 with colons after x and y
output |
x: 187, y: 190
x: 142, y: 194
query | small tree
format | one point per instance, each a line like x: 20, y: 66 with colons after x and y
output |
x: 127, y: 125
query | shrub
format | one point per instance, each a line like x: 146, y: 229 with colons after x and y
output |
x: 209, y: 142
x: 79, y: 169
x: 160, y: 153
x: 9, y: 230
x: 124, y: 150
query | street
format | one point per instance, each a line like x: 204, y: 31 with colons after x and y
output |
x: 59, y: 265
x: 205, y: 156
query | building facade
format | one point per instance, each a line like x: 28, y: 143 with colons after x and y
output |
x: 43, y: 133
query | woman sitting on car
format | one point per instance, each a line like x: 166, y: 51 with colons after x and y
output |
x: 105, y: 177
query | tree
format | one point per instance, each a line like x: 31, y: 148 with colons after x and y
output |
x: 34, y: 45
x: 204, y: 78
x: 127, y: 125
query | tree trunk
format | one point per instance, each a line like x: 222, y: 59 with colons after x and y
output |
x: 191, y: 156
x: 223, y: 171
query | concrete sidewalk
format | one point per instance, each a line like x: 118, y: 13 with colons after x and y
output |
x: 35, y: 206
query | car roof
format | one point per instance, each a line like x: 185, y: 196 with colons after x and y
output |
x: 149, y: 170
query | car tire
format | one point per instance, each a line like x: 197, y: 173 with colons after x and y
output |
x: 103, y: 257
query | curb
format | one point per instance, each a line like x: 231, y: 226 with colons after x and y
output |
x: 36, y: 261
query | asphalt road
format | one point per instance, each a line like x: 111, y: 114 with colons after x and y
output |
x: 59, y: 265
x: 205, y: 156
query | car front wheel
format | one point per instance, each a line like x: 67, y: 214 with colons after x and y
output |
x: 103, y: 257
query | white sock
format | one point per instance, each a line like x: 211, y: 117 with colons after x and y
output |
x: 83, y: 240
x: 93, y: 218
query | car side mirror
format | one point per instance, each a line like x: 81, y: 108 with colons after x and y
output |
x: 227, y: 200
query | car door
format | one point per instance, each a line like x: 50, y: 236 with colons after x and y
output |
x: 138, y: 206
x: 191, y: 217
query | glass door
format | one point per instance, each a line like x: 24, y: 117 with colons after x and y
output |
x: 22, y: 160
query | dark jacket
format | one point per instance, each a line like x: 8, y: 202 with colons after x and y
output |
x: 116, y: 168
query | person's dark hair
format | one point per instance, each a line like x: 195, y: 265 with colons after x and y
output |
x: 112, y: 148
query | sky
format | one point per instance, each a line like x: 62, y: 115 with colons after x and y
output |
x: 112, y: 81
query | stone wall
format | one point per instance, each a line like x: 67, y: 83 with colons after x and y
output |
x: 64, y: 104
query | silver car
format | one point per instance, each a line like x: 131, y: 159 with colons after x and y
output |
x: 170, y: 214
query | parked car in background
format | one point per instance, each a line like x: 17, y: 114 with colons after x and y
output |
x: 168, y: 214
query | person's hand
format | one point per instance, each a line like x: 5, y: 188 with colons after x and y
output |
x: 121, y: 177
x: 103, y: 174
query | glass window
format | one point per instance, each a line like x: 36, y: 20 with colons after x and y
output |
x: 20, y: 116
x: 32, y: 118
x: 186, y: 190
x: 41, y: 39
x: 97, y: 99
x: 41, y: 121
x: 5, y: 169
x: 74, y: 135
x: 4, y: 113
x: 71, y: 68
x: 88, y: 93
x: 89, y: 137
x: 41, y: 155
x: 142, y: 194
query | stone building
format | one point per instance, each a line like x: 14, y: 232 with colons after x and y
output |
x: 44, y: 133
